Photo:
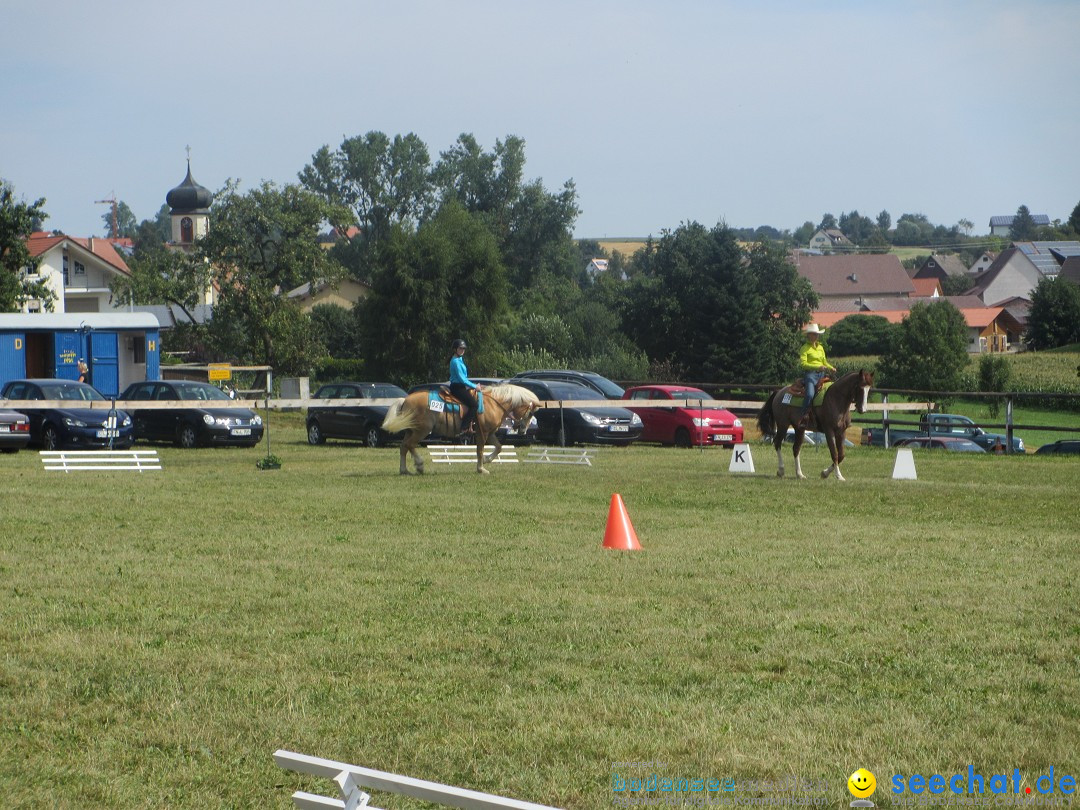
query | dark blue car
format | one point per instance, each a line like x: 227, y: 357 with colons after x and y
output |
x: 71, y: 427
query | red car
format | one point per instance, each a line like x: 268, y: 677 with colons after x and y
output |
x: 682, y: 424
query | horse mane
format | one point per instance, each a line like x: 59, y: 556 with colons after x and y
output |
x: 512, y: 396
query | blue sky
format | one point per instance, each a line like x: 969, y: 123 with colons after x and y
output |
x: 749, y: 112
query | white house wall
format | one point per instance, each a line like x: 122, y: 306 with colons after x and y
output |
x: 1017, y: 279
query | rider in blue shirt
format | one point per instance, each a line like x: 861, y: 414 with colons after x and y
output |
x: 462, y: 387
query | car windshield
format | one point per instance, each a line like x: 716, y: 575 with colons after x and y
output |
x: 692, y: 393
x: 610, y: 389
x: 71, y: 391
x: 388, y: 392
x: 200, y: 391
x: 569, y: 391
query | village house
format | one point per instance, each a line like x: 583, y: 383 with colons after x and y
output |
x: 77, y: 270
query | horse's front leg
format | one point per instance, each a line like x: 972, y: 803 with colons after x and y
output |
x: 836, y: 455
x: 796, y: 449
x: 481, y: 443
x: 778, y: 446
x: 494, y: 454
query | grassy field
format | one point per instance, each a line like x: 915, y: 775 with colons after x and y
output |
x: 162, y: 634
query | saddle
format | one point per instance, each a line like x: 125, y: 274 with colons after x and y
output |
x: 798, y: 388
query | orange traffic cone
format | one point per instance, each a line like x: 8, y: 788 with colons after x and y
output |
x: 620, y: 532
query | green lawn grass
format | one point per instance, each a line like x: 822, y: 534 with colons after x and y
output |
x: 161, y: 634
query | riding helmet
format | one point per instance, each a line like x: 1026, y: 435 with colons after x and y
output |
x: 457, y: 344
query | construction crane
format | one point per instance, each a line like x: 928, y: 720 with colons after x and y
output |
x: 115, y: 226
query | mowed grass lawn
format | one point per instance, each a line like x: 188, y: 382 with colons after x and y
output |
x: 161, y: 634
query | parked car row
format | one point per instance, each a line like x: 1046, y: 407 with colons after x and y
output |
x: 201, y: 421
x: 77, y: 426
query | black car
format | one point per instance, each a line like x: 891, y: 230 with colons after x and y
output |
x: 73, y: 427
x: 1061, y: 446
x: 601, y: 424
x: 14, y: 431
x: 590, y: 379
x: 203, y: 423
x: 348, y: 421
x: 506, y: 432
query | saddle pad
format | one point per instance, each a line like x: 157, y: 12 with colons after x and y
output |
x: 439, y: 405
x: 791, y: 398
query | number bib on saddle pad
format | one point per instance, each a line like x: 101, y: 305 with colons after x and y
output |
x: 789, y: 398
x: 439, y: 405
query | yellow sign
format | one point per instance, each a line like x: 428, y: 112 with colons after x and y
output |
x: 219, y: 371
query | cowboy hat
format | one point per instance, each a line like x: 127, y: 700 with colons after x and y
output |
x: 813, y: 329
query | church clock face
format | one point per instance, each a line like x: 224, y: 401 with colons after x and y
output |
x: 187, y: 230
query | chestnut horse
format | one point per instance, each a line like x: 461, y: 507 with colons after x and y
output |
x: 416, y: 416
x: 833, y: 417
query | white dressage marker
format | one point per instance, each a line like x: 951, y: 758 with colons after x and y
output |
x: 904, y: 467
x: 742, y: 460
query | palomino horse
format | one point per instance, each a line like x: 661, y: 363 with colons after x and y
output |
x: 833, y: 417
x: 416, y: 416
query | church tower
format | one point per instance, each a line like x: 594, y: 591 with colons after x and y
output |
x: 190, y: 209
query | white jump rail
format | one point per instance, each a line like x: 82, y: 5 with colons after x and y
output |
x: 464, y: 453
x: 79, y: 460
x: 350, y: 778
x: 561, y: 455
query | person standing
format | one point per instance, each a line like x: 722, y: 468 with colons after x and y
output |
x: 84, y: 372
x: 813, y: 364
x: 462, y: 387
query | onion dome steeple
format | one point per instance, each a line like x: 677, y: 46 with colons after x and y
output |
x: 189, y: 197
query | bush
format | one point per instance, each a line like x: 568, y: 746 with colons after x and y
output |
x: 995, y: 373
x: 333, y: 369
x: 860, y: 334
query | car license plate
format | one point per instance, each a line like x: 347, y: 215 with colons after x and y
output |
x: 108, y: 434
x: 240, y: 431
x: 723, y: 437
x: 5, y: 428
x: 618, y: 428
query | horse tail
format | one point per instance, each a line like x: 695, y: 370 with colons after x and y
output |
x: 402, y: 416
x: 766, y: 422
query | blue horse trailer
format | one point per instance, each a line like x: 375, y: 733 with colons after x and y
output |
x: 119, y: 348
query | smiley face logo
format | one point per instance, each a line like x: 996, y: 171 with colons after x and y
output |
x: 861, y: 783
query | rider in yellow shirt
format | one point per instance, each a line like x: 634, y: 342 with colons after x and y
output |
x: 813, y: 364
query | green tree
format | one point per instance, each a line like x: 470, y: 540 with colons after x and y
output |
x: 956, y: 285
x: 486, y: 183
x: 703, y: 304
x: 1054, y: 317
x: 263, y: 244
x: 1023, y: 225
x: 802, y: 234
x: 929, y: 350
x: 860, y: 334
x: 1074, y: 220
x: 442, y: 282
x: 17, y: 221
x: 995, y: 375
x: 125, y: 226
x: 884, y: 222
x: 381, y: 181
x: 163, y: 276
x: 856, y: 227
x: 333, y: 328
x: 827, y: 221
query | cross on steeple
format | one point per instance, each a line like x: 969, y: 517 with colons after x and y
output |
x: 188, y: 150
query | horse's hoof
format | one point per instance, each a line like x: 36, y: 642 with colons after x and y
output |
x: 779, y: 473
x: 482, y: 471
x: 825, y: 473
x: 801, y: 477
x: 404, y: 472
